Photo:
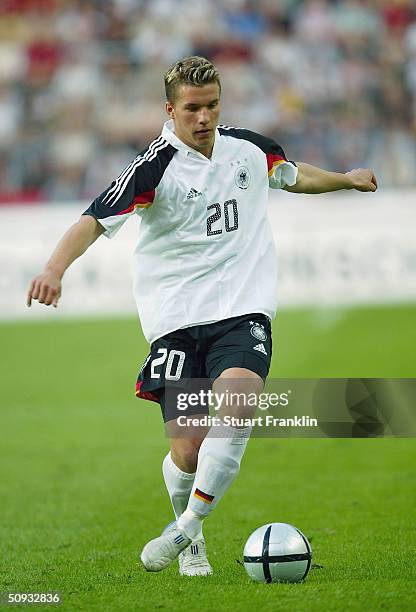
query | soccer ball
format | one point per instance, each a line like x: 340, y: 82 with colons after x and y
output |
x: 277, y: 552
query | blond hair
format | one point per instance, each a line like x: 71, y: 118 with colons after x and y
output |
x: 194, y: 70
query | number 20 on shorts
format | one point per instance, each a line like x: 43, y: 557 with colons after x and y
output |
x: 174, y: 364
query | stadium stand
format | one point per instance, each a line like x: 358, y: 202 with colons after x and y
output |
x: 81, y: 86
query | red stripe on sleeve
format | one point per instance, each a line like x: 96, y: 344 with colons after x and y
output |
x: 272, y: 158
x: 143, y: 198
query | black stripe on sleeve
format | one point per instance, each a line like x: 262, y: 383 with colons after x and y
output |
x: 142, y: 176
x: 267, y: 145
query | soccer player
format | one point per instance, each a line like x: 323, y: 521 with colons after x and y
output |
x: 205, y: 281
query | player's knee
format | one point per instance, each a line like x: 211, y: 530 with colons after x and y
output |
x: 240, y: 388
x: 240, y: 400
x: 185, y: 453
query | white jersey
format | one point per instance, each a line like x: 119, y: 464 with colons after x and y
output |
x: 205, y: 250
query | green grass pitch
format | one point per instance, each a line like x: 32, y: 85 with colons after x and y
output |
x: 81, y: 489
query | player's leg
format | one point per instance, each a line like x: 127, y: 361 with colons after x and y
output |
x: 246, y: 342
x: 179, y: 467
x: 219, y: 461
x: 193, y: 561
x: 222, y: 450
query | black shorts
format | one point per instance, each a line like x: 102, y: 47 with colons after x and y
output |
x: 204, y: 351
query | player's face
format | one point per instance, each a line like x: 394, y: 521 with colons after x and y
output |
x: 195, y: 112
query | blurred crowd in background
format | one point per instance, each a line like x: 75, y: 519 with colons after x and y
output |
x: 81, y: 84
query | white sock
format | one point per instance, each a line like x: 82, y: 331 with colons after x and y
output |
x: 219, y: 461
x: 178, y: 483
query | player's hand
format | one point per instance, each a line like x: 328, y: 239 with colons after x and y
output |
x: 362, y: 179
x: 46, y: 289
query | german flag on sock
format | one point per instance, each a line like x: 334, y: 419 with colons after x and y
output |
x: 208, y: 499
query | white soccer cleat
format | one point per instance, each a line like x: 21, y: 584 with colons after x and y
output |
x: 160, y: 552
x: 193, y: 560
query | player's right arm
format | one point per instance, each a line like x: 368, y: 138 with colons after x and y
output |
x: 46, y: 287
x: 133, y: 191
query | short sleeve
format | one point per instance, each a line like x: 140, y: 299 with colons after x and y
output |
x: 112, y: 213
x: 134, y: 190
x: 281, y: 171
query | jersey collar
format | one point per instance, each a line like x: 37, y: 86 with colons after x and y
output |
x: 168, y: 134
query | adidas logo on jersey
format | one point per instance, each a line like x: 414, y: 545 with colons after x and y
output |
x: 260, y: 348
x: 193, y: 193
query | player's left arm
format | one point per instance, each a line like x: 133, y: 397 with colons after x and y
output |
x: 311, y: 179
